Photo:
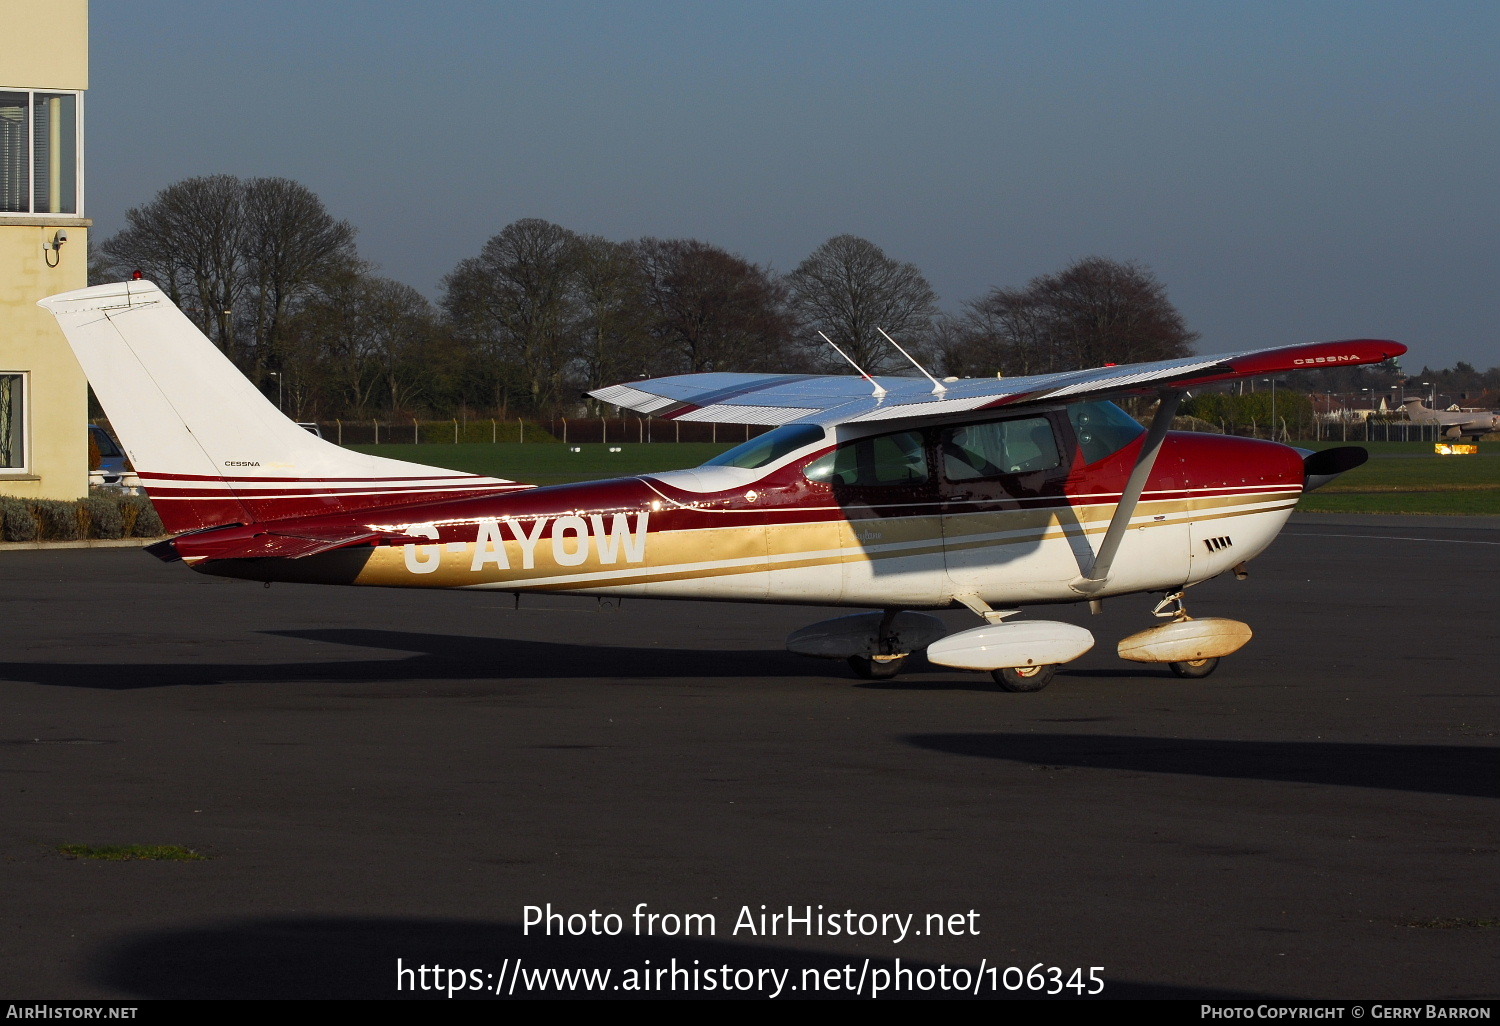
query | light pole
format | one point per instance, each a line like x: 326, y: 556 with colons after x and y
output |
x: 1273, y: 408
x: 277, y: 376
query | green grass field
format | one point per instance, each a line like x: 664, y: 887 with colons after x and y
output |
x: 1401, y: 477
x: 1408, y: 477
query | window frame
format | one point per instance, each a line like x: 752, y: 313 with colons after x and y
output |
x: 31, y: 213
x: 24, y: 420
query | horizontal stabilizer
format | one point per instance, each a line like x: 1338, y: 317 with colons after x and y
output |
x: 247, y: 543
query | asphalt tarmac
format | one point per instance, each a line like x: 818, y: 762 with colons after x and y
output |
x: 397, y: 775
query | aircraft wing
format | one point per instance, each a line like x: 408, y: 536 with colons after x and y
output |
x: 772, y: 399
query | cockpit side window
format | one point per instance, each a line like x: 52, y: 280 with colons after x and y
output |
x: 999, y: 448
x: 881, y: 461
x: 1102, y: 429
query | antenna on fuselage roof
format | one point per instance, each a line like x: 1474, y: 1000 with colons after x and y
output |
x: 879, y: 392
x: 937, y: 386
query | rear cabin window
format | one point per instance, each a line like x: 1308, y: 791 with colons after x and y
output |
x: 999, y: 448
x: 882, y: 461
x: 1102, y: 429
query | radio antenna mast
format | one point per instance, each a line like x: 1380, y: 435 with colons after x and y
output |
x: 937, y: 386
x: 879, y: 392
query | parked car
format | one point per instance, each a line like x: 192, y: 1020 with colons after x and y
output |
x: 114, y: 470
x: 310, y: 427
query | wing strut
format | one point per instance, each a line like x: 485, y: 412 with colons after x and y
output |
x: 1097, y: 575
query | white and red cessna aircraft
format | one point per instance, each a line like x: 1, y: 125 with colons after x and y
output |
x: 893, y: 494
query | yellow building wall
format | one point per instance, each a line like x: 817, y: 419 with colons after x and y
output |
x: 31, y: 342
x: 45, y: 44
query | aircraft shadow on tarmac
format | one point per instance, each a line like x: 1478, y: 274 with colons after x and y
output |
x: 314, y: 957
x: 1438, y: 769
x: 449, y: 657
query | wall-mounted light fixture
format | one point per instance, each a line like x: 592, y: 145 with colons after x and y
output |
x: 54, y: 245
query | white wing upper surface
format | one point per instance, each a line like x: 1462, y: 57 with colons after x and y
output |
x: 773, y: 399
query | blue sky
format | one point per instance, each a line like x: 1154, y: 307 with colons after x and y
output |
x: 1290, y: 171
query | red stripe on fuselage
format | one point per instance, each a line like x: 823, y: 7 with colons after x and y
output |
x: 1190, y: 467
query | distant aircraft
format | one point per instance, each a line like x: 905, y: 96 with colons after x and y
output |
x: 1456, y: 423
x: 893, y: 494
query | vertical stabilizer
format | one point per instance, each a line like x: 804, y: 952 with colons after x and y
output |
x: 208, y: 447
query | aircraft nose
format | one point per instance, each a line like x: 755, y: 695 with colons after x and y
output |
x: 1318, y: 468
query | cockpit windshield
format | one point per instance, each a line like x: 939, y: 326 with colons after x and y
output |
x: 1103, y: 429
x: 766, y: 449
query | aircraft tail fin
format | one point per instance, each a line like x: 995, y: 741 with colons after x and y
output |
x: 208, y: 447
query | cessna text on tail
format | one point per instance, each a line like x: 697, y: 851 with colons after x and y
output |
x: 884, y: 494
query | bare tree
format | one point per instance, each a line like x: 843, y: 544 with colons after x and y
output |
x: 234, y: 255
x: 291, y: 244
x: 366, y: 343
x: 710, y: 309
x: 516, y: 303
x: 1006, y: 332
x: 191, y: 241
x: 1095, y: 311
x: 1104, y: 311
x: 849, y: 288
x: 614, y: 343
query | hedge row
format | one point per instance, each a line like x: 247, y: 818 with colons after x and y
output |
x: 101, y: 515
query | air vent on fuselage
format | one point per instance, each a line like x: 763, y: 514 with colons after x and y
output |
x: 1218, y: 544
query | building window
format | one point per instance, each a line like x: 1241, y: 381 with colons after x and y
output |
x: 39, y: 152
x: 12, y: 422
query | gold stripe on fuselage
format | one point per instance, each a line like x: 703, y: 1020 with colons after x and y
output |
x: 674, y: 556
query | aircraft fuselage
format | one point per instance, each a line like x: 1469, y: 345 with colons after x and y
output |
x: 736, y: 535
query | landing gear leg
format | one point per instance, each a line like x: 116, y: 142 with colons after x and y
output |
x: 1172, y: 607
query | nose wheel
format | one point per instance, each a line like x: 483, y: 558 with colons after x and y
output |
x: 1194, y: 669
x: 1190, y: 648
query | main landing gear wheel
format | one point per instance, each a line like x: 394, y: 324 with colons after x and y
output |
x: 876, y: 669
x: 1194, y: 669
x: 1024, y: 678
